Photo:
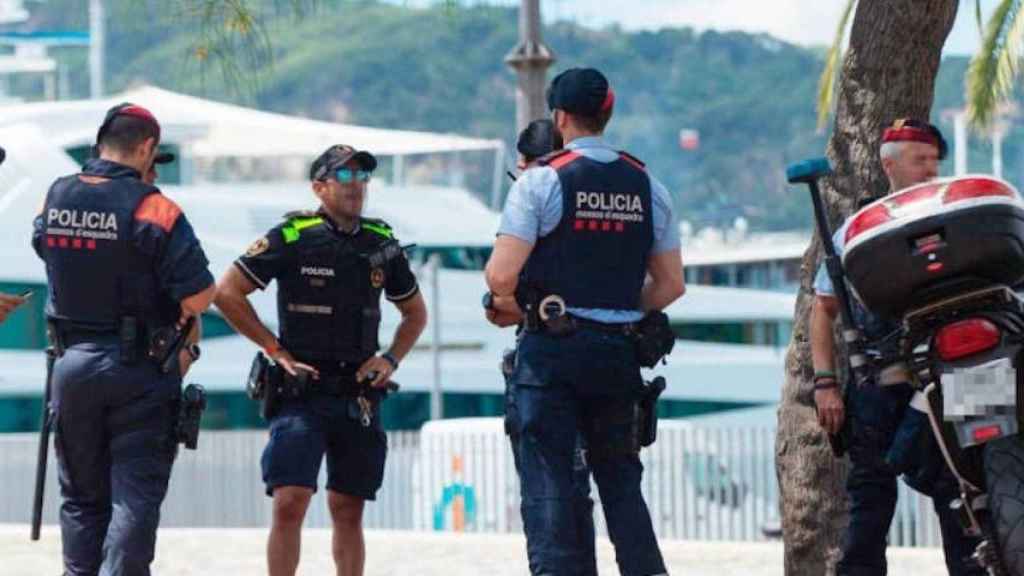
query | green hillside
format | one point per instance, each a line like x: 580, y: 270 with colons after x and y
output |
x: 750, y: 96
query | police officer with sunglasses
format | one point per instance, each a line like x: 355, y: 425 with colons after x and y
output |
x: 331, y: 267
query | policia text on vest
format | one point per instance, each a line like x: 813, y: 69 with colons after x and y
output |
x: 579, y: 236
x: 127, y: 279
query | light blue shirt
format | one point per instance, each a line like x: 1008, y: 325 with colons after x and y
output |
x: 534, y: 208
x: 822, y: 283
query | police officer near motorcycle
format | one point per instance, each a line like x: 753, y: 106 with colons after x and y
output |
x: 579, y: 235
x: 126, y: 275
x: 878, y: 414
x: 331, y: 267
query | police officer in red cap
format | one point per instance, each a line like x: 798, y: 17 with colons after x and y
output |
x: 886, y: 437
x: 579, y: 235
x: 126, y: 274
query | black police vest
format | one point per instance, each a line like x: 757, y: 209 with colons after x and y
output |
x: 328, y: 298
x: 596, y: 257
x: 97, y: 276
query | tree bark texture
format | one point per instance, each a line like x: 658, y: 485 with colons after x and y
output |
x: 888, y: 72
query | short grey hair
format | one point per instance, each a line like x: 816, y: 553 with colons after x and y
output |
x: 890, y: 150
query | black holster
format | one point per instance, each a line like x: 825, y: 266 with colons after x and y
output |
x: 270, y: 384
x: 648, y: 410
x: 259, y: 377
x: 281, y: 387
x: 165, y: 344
x: 528, y: 298
x: 654, y: 339
x: 190, y: 412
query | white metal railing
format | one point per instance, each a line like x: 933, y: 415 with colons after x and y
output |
x: 699, y: 483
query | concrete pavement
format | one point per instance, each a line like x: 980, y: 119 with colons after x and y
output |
x: 234, y: 551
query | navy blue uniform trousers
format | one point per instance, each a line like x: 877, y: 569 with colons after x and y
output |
x: 877, y: 412
x: 115, y: 447
x: 583, y: 504
x: 558, y: 383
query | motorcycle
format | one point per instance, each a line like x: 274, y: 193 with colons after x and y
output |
x: 942, y: 258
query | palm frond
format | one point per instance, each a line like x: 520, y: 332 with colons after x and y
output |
x: 991, y: 72
x: 232, y: 36
x: 977, y: 17
x: 830, y: 75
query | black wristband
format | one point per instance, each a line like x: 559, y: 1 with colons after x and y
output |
x: 391, y: 360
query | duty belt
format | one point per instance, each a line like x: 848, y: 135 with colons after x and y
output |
x: 570, y: 323
x: 64, y: 333
x: 69, y: 339
x: 340, y: 385
x: 626, y: 328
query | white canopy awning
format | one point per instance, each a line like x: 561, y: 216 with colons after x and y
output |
x: 216, y: 129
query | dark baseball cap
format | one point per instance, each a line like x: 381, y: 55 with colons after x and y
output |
x: 336, y: 156
x: 912, y: 130
x: 581, y: 91
x: 538, y: 139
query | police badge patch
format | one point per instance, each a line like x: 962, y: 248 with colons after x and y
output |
x: 258, y: 247
x: 377, y: 277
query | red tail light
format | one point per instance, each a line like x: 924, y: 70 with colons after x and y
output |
x: 866, y: 220
x: 967, y: 188
x: 986, y: 433
x: 966, y: 337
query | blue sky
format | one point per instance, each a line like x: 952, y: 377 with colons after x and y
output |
x: 806, y: 22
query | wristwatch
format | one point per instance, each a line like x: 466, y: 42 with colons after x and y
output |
x: 488, y: 301
x: 193, y: 351
x: 391, y: 360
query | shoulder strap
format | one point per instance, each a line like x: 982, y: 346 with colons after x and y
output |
x: 298, y: 221
x: 632, y: 160
x: 378, y: 226
x: 558, y: 159
x: 158, y: 210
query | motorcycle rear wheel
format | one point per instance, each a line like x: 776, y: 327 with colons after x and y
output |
x: 1004, y: 479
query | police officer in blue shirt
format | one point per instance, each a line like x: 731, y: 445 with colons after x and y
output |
x: 587, y: 244
x: 886, y: 437
x: 537, y: 140
x: 123, y: 266
x: 331, y: 268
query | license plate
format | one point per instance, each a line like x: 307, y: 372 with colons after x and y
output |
x: 984, y: 390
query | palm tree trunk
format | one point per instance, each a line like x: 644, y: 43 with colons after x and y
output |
x: 888, y: 72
